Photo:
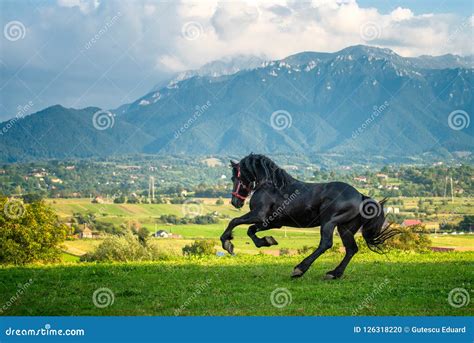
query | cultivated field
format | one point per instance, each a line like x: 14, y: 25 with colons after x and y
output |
x: 288, y: 238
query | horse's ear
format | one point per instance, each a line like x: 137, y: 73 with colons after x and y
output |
x: 233, y: 163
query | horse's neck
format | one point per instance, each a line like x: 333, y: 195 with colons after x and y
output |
x: 263, y: 180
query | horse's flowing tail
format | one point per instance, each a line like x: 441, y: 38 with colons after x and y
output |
x: 374, y: 230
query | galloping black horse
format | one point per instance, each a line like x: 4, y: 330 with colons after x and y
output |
x: 280, y: 200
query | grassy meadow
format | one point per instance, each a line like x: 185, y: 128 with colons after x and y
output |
x: 254, y: 282
x: 394, y: 284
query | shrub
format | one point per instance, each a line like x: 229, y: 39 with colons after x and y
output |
x: 205, y: 219
x: 122, y: 249
x: 412, y: 238
x: 305, y: 250
x: 200, y: 248
x: 284, y: 251
x: 29, y: 232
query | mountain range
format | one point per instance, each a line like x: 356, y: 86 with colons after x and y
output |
x: 360, y: 100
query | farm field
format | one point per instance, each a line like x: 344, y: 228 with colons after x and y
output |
x: 289, y: 238
x: 393, y: 284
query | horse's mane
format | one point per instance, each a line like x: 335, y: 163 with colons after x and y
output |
x: 260, y: 168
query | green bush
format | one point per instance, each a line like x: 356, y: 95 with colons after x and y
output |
x: 305, y: 250
x: 29, y: 232
x: 122, y: 249
x: 412, y: 238
x: 200, y: 248
x: 284, y: 251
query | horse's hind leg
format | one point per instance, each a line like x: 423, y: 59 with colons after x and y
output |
x: 350, y: 244
x: 260, y: 242
x: 327, y: 230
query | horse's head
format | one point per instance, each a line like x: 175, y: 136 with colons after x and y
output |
x: 241, y: 188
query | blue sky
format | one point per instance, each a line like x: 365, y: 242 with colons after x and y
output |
x: 82, y: 53
x: 460, y: 7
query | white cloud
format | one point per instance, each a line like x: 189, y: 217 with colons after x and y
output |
x: 147, y: 41
x: 400, y: 14
x: 84, y: 6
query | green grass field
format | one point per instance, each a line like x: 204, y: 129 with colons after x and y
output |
x: 398, y: 283
x: 394, y: 284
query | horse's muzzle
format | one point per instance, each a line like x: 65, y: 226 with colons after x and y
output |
x: 236, y: 202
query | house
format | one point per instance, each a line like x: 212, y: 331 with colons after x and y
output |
x: 86, y: 233
x: 411, y: 222
x: 361, y: 179
x: 382, y: 176
x: 98, y: 200
x: 394, y: 210
x: 161, y: 234
x: 164, y: 234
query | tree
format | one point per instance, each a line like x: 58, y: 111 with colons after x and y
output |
x: 29, y: 232
x: 467, y: 224
x: 143, y: 235
x: 220, y: 201
x: 119, y: 200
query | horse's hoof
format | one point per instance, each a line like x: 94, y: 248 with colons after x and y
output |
x: 229, y: 247
x: 330, y: 276
x: 270, y: 240
x: 297, y: 273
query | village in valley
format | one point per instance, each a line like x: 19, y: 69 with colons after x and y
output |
x: 179, y: 200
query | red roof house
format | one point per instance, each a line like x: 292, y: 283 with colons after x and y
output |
x: 411, y: 222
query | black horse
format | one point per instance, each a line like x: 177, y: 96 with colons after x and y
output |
x: 279, y: 200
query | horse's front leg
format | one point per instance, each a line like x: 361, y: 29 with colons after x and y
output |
x: 249, y: 218
x: 260, y: 242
